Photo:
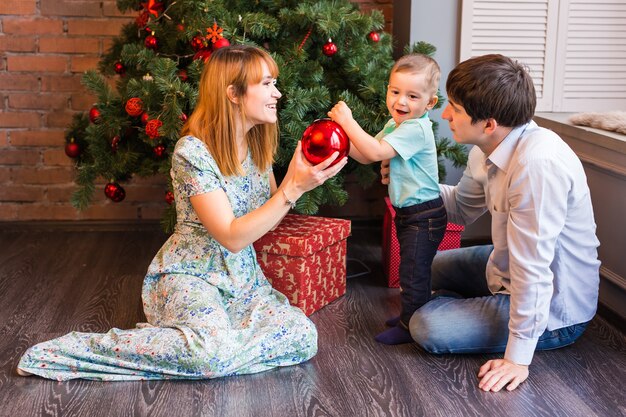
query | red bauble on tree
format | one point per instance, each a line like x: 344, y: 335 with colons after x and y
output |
x: 94, y: 115
x: 72, y: 149
x: 152, y: 128
x: 220, y: 43
x: 144, y: 118
x: 204, y: 55
x: 322, y: 138
x: 119, y: 68
x: 134, y: 106
x: 159, y: 151
x: 374, y: 36
x: 114, y: 191
x: 151, y: 42
x: 198, y: 43
x: 169, y: 197
x: 329, y: 48
x: 182, y: 74
x: 115, y: 143
x: 183, y: 117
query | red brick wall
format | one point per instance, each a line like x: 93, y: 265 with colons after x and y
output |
x: 45, y: 46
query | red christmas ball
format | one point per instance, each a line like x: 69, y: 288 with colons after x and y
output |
x: 151, y: 42
x: 159, y: 151
x: 329, y: 48
x: 134, y: 106
x: 204, y: 55
x: 322, y: 138
x: 220, y: 43
x: 144, y: 118
x: 115, y: 143
x: 198, y: 43
x: 169, y: 197
x: 182, y: 74
x: 374, y: 36
x: 152, y: 128
x: 119, y: 68
x: 183, y: 117
x: 94, y: 115
x: 114, y: 191
x: 72, y: 149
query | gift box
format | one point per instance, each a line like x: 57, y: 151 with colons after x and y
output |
x: 304, y: 257
x: 391, y: 247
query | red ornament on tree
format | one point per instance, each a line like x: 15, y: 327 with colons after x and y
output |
x: 151, y: 42
x: 72, y: 149
x: 374, y: 36
x: 119, y: 68
x: 198, y: 43
x: 94, y: 115
x: 142, y: 20
x: 204, y: 55
x: 144, y: 118
x: 183, y: 117
x: 220, y: 43
x: 134, y: 106
x: 329, y: 48
x: 115, y: 143
x: 114, y: 191
x: 182, y: 74
x: 169, y: 197
x: 152, y: 128
x: 322, y: 138
x: 159, y: 151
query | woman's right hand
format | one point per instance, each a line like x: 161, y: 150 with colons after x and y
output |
x: 302, y: 176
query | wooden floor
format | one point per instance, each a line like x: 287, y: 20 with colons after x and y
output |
x: 56, y: 279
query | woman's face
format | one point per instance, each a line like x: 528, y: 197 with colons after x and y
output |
x: 260, y: 100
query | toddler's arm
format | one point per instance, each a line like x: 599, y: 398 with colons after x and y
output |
x: 367, y: 148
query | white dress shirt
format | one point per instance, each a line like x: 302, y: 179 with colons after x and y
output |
x: 543, y: 232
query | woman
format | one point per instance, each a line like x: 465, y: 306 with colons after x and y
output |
x: 210, y: 311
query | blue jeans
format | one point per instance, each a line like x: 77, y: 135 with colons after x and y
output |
x: 420, y: 229
x: 464, y: 317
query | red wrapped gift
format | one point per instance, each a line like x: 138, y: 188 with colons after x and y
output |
x: 305, y: 259
x: 391, y: 247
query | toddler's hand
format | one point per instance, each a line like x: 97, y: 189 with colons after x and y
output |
x: 340, y: 113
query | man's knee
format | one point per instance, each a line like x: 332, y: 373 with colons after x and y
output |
x: 423, y: 330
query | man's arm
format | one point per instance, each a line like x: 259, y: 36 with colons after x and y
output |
x: 534, y: 223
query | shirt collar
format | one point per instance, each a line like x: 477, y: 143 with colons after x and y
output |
x: 501, y: 156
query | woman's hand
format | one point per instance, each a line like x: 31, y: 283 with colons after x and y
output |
x: 302, y: 176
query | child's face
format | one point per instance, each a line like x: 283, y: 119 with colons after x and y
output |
x: 408, y: 96
x: 260, y: 100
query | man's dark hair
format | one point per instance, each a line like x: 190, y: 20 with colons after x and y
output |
x: 493, y: 86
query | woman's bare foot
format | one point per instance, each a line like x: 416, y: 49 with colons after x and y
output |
x: 21, y: 372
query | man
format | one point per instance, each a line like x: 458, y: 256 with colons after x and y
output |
x: 536, y: 287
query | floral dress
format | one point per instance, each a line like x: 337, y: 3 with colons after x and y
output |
x: 210, y: 312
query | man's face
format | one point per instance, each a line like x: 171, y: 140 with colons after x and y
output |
x: 463, y: 131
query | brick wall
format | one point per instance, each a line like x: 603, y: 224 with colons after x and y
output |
x: 45, y: 46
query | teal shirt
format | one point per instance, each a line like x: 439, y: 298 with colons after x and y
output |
x: 414, y: 175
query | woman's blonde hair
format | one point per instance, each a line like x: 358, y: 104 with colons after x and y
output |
x: 214, y: 119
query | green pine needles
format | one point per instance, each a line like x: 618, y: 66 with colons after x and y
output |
x: 158, y: 60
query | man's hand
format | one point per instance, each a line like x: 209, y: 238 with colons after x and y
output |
x: 384, y: 172
x: 497, y: 373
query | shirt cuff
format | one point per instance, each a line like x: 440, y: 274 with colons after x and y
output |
x: 520, y: 351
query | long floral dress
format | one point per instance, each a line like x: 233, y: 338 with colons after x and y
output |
x: 210, y: 312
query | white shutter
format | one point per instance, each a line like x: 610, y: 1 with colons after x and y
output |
x: 591, y: 51
x: 521, y: 29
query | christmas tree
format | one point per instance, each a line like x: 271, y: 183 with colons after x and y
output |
x: 326, y: 51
